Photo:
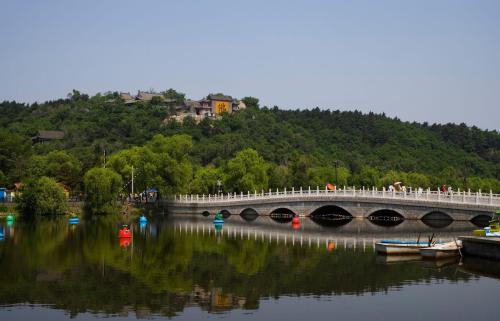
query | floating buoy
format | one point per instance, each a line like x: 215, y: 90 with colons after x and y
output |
x: 125, y: 232
x: 10, y: 218
x: 1, y: 235
x: 218, y: 227
x: 218, y: 219
x: 125, y: 241
x: 295, y: 220
x: 73, y: 220
x: 331, y: 246
x: 143, y: 219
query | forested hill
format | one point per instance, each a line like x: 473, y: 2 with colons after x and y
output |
x: 298, y: 148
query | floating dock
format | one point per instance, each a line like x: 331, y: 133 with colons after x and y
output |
x: 487, y: 247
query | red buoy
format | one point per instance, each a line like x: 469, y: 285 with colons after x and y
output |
x: 295, y: 220
x: 125, y: 241
x: 125, y: 233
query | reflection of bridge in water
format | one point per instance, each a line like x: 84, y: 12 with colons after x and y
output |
x: 352, y: 202
x: 359, y: 234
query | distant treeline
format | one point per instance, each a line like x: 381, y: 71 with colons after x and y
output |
x: 254, y: 149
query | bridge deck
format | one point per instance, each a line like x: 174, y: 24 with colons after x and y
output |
x: 478, y: 198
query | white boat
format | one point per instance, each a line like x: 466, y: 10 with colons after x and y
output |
x: 437, y: 251
x: 400, y: 247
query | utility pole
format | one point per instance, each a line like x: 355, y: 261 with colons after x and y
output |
x: 465, y: 175
x: 132, y: 189
x: 336, y: 164
x: 104, y: 158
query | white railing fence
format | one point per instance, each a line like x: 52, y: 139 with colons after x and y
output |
x: 463, y: 197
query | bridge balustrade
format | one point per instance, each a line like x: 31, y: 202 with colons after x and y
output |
x: 455, y: 197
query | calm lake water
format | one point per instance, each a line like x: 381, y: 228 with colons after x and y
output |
x: 182, y: 268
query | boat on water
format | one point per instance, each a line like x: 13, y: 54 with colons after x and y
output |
x: 403, y: 246
x: 493, y: 229
x: 448, y: 249
x: 400, y: 247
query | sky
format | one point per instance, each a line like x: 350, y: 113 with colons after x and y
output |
x: 434, y: 61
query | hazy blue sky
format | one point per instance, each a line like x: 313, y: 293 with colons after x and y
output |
x: 436, y: 61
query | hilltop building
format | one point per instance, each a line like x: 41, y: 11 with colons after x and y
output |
x: 47, y: 135
x: 210, y: 106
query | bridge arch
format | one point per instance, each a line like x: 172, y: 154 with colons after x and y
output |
x: 330, y: 210
x: 481, y: 220
x: 437, y: 219
x: 331, y: 216
x: 249, y: 214
x: 282, y: 215
x: 225, y: 213
x: 386, y: 217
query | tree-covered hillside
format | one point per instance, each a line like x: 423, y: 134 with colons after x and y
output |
x: 256, y: 148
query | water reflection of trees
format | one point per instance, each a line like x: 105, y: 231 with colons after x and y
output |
x: 84, y: 269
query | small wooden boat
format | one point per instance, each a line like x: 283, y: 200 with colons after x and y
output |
x: 400, y: 247
x: 437, y: 251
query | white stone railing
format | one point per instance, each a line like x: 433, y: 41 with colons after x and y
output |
x: 455, y: 197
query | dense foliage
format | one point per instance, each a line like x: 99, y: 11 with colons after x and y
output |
x: 102, y: 187
x: 43, y: 196
x: 253, y: 149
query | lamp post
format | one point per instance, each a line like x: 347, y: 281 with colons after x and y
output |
x: 336, y: 164
x: 219, y: 187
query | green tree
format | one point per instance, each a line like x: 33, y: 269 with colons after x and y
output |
x: 320, y: 176
x: 279, y: 176
x: 247, y: 171
x: 417, y: 180
x: 173, y: 94
x: 64, y: 168
x: 102, y: 188
x: 368, y: 177
x: 300, y: 169
x: 205, y: 180
x: 251, y: 102
x: 390, y: 177
x: 42, y: 197
x: 15, y: 151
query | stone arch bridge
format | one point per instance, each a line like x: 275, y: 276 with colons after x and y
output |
x: 357, y: 203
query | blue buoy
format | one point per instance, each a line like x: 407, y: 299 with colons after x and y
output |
x: 73, y: 220
x: 143, y: 219
x: 1, y: 235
